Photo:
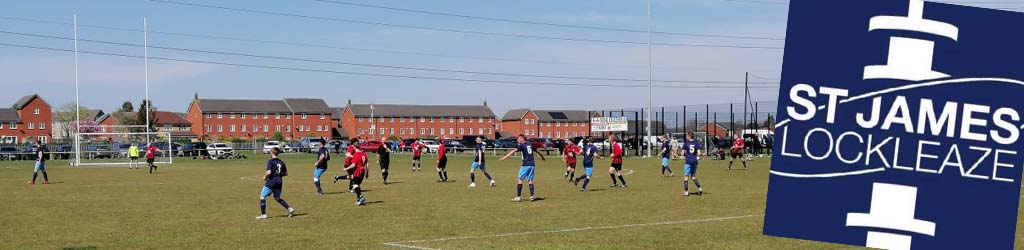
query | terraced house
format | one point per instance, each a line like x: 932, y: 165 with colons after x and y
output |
x: 28, y: 119
x: 418, y: 121
x: 294, y: 118
x: 553, y: 124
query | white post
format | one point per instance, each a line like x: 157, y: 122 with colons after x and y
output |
x: 78, y: 113
x: 650, y: 78
x: 145, y: 49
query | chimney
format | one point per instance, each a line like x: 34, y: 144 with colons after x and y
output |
x: 196, y: 96
x: 485, y: 103
x: 349, y: 102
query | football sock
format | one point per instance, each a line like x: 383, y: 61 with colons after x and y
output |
x: 686, y: 186
x: 34, y: 176
x: 359, y: 192
x: 669, y: 169
x: 566, y: 174
x: 623, y: 180
x: 488, y: 175
x: 697, y: 183
x: 440, y: 176
x: 744, y: 164
x: 519, y: 190
x: 45, y: 178
x: 614, y: 182
x: 730, y: 163
x: 445, y: 173
x: 531, y: 190
x: 283, y: 203
x: 263, y: 206
x: 585, y: 182
x: 662, y: 170
x: 472, y: 178
x: 318, y: 190
x: 572, y: 175
x: 385, y: 174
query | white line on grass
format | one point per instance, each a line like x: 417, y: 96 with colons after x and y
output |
x: 405, y: 244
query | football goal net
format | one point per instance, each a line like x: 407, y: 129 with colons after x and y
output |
x: 112, y: 146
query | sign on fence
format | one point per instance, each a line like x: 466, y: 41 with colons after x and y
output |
x: 609, y: 124
x: 899, y: 126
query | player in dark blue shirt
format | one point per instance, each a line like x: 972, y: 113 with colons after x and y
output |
x: 692, y: 150
x: 589, y: 153
x: 274, y: 177
x: 323, y: 156
x: 666, y: 154
x: 479, y: 162
x: 527, y: 170
x: 40, y: 152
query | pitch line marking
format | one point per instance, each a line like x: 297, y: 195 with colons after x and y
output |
x: 405, y: 244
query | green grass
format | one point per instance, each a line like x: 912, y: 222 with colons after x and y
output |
x: 212, y: 205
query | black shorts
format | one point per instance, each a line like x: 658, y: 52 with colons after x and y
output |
x: 357, y: 180
x: 737, y: 155
x: 134, y: 158
x: 416, y: 157
x: 150, y: 160
x: 443, y: 163
x: 571, y: 165
x: 618, y: 167
x: 385, y: 164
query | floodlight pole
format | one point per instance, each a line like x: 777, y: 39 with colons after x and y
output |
x: 78, y: 113
x: 650, y: 78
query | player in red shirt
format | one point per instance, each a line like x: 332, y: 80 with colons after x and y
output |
x: 569, y: 154
x: 442, y: 161
x: 737, y: 151
x: 417, y: 151
x: 616, y: 168
x: 349, y: 154
x: 358, y: 169
x: 151, y: 151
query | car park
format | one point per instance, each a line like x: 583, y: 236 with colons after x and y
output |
x: 218, y: 150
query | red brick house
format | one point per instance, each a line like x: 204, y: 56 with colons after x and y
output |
x: 418, y: 121
x: 163, y: 121
x: 28, y: 119
x: 554, y: 124
x: 294, y: 118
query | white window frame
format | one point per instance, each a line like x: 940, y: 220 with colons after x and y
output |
x: 481, y: 120
x: 35, y: 111
x: 42, y: 125
x: 462, y: 131
x: 323, y: 117
x: 42, y: 140
x: 31, y: 125
x: 220, y: 115
x: 232, y: 116
x: 362, y: 131
x: 451, y: 131
x: 242, y: 116
x: 209, y: 116
x: 382, y: 131
x: 431, y: 131
x: 232, y: 128
x: 266, y: 128
x: 244, y: 128
x: 423, y: 119
x: 402, y: 119
x: 220, y: 128
x: 266, y: 116
x: 431, y: 119
x: 360, y: 119
x: 423, y: 131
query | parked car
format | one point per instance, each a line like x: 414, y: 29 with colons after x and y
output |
x: 9, y: 153
x: 272, y: 145
x: 541, y: 143
x: 469, y: 141
x: 430, y: 146
x: 408, y: 144
x: 199, y: 150
x: 452, y: 145
x: 63, y: 152
x: 309, y: 144
x: 98, y: 151
x: 122, y: 149
x: 505, y: 143
x: 371, y: 146
x: 218, y: 150
x: 601, y: 143
x: 166, y: 148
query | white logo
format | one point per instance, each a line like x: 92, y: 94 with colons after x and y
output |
x: 892, y: 208
x: 909, y: 58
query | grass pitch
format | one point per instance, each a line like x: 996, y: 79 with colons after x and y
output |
x: 196, y: 204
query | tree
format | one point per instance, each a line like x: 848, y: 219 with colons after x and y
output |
x: 278, y: 136
x: 127, y: 107
x: 146, y: 107
x: 64, y: 117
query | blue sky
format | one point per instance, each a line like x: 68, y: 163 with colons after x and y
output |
x: 108, y: 81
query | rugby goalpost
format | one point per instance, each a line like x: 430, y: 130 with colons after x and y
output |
x: 106, y: 153
x: 127, y: 131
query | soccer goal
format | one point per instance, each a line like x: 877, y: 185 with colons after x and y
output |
x: 112, y: 148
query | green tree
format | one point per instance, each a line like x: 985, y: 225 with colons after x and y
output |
x: 278, y: 136
x: 146, y: 107
x: 64, y: 116
x: 127, y: 107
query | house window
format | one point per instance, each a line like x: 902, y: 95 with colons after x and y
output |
x: 382, y: 130
x: 41, y: 139
x: 243, y: 116
x: 13, y: 125
x: 360, y: 119
x: 382, y: 119
x: 277, y: 128
x: 209, y: 116
x: 462, y: 119
x: 31, y: 125
x: 422, y: 119
x: 277, y: 116
x: 220, y: 128
x: 372, y: 131
x: 255, y: 128
x: 558, y: 134
x: 481, y: 131
x: 244, y: 128
x: 442, y: 129
x: 462, y: 131
x: 488, y: 131
x: 391, y: 131
x: 303, y: 116
x: 220, y: 115
x: 323, y: 117
x: 209, y: 128
x: 451, y: 131
x: 1, y: 125
x: 431, y: 119
x: 451, y: 119
x: 361, y: 131
x: 423, y: 131
x: 431, y: 131
x: 42, y: 125
x: 402, y: 119
x: 481, y: 120
x: 287, y: 116
x: 35, y: 111
x: 412, y: 131
x: 232, y: 115
x: 266, y: 128
x: 232, y: 128
x: 401, y: 131
x: 265, y: 116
